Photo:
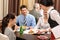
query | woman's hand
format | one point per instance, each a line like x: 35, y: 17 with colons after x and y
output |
x: 16, y: 27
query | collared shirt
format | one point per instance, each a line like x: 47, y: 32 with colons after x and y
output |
x: 54, y: 15
x: 30, y: 20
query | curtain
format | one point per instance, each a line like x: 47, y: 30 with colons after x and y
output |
x: 57, y: 5
x: 31, y: 4
x: 1, y: 9
x: 28, y: 3
x: 13, y: 6
x: 23, y: 2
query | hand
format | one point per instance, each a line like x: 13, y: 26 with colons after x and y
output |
x: 50, y: 30
x: 44, y: 30
x: 16, y: 27
x: 39, y: 32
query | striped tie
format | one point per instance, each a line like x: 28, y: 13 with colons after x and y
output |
x: 25, y: 23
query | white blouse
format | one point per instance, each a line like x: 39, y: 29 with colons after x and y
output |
x: 41, y: 24
x: 54, y: 16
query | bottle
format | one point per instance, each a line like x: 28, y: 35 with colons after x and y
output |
x: 21, y: 30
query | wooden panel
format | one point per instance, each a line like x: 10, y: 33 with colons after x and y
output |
x: 57, y: 4
x: 10, y: 6
x: 13, y: 6
x: 23, y: 2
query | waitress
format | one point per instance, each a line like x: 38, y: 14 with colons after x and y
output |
x: 50, y: 15
x: 53, y: 15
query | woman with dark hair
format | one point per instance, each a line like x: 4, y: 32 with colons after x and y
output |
x: 7, y: 24
x: 50, y: 15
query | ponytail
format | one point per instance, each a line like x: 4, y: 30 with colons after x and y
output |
x: 6, y: 20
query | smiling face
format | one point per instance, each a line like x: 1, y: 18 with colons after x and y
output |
x: 24, y: 11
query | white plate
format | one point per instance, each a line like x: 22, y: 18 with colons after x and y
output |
x: 26, y: 31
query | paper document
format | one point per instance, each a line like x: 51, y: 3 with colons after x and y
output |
x: 56, y: 31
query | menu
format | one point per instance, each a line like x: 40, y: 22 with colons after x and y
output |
x: 56, y: 31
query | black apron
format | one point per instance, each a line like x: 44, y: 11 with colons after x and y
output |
x: 52, y: 22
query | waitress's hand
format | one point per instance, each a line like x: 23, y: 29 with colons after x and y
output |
x: 50, y: 30
x: 38, y: 31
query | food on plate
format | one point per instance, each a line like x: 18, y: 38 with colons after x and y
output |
x: 31, y: 32
x: 24, y: 27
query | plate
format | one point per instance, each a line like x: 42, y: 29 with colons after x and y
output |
x: 27, y: 31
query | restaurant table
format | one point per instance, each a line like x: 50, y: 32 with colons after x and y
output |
x: 58, y: 39
x: 31, y: 36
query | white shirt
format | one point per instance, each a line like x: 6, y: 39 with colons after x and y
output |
x: 54, y: 16
x: 41, y: 12
x: 3, y: 37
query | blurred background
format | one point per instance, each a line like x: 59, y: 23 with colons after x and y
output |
x: 14, y: 5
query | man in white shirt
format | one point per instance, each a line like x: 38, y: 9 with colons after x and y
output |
x: 3, y: 37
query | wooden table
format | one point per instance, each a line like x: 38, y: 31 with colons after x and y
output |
x: 30, y: 36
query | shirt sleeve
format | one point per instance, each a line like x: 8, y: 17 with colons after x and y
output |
x: 38, y: 24
x: 55, y: 16
x: 17, y: 21
x: 33, y: 22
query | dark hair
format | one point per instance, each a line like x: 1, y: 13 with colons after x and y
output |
x: 46, y: 3
x: 5, y: 21
x: 23, y: 6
